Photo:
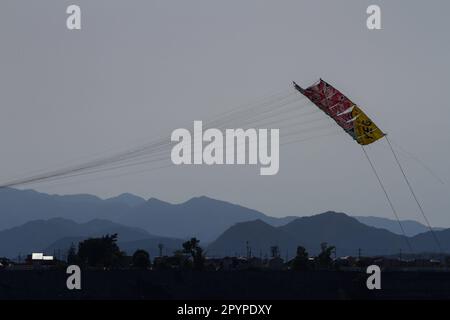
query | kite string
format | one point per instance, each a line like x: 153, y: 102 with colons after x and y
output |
x: 273, y: 100
x: 419, y: 161
x: 151, y: 159
x: 144, y: 170
x: 414, y: 195
x: 387, y: 198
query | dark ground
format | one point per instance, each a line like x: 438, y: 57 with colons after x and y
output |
x: 186, y: 285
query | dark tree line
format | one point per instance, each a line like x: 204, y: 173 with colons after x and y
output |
x: 100, y: 252
x: 103, y: 252
x: 324, y: 260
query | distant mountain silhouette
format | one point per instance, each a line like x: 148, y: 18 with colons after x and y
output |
x: 259, y: 235
x: 202, y: 217
x: 21, y: 206
x: 59, y: 233
x: 424, y: 242
x: 411, y: 227
x: 127, y: 199
x: 338, y: 229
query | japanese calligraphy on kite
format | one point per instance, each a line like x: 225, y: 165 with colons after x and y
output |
x: 342, y: 110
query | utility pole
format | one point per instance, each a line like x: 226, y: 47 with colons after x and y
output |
x: 359, y: 253
x: 249, y: 250
x: 275, y: 251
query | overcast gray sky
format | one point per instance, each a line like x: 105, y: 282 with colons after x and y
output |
x: 140, y: 69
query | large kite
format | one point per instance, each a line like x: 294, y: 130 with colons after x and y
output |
x: 346, y: 113
x: 361, y: 128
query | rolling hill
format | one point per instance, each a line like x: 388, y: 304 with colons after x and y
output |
x: 338, y: 229
x: 21, y: 206
x: 200, y: 217
x: 411, y: 227
x: 58, y: 234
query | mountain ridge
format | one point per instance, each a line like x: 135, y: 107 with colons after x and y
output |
x: 350, y: 237
x: 411, y: 227
x: 37, y: 235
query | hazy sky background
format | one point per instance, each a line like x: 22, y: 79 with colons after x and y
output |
x: 140, y: 69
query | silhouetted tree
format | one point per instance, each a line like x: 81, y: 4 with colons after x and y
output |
x: 192, y: 247
x: 100, y: 252
x: 301, y: 260
x: 72, y: 257
x: 141, y: 259
x: 324, y: 259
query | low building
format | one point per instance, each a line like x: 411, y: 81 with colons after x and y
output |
x: 39, y: 260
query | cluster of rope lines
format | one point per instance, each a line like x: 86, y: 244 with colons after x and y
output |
x: 297, y: 119
x: 411, y: 190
